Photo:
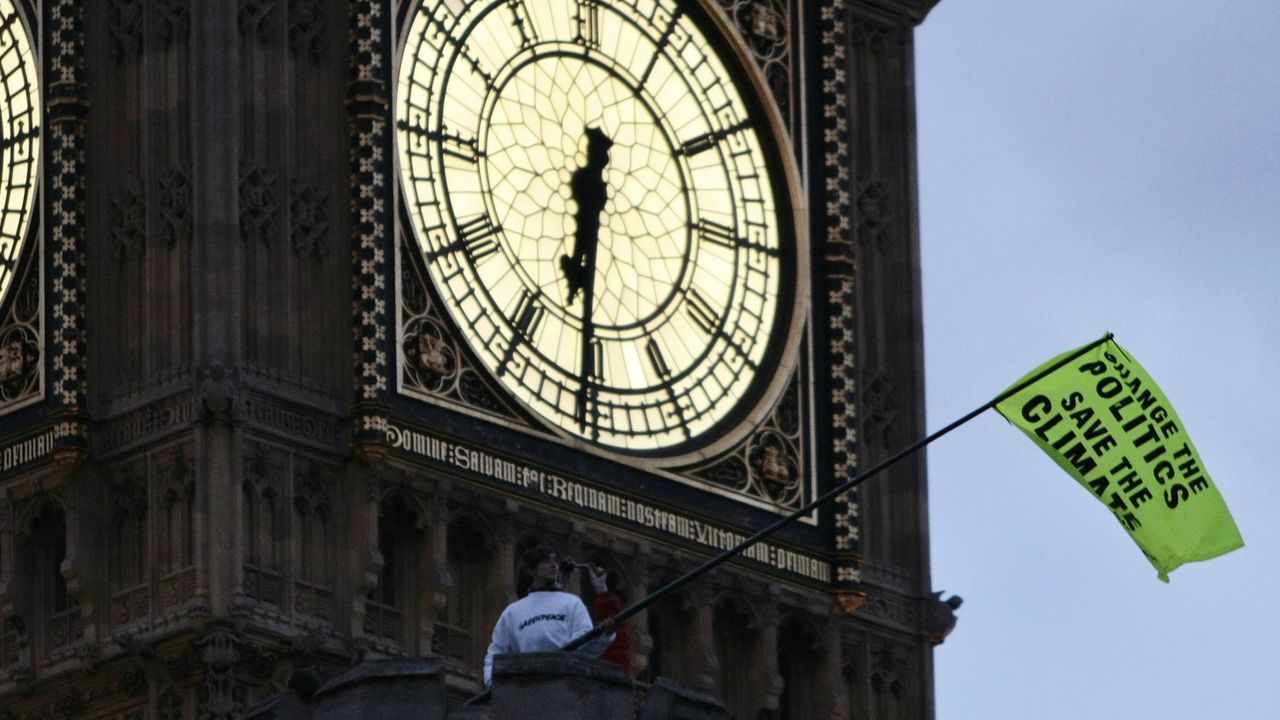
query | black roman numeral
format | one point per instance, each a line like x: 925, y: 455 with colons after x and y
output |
x: 477, y: 235
x: 715, y: 233
x: 653, y: 351
x: 595, y: 372
x: 451, y: 143
x: 464, y: 50
x: 705, y: 142
x: 662, y: 44
x: 523, y: 23
x: 701, y: 312
x: 529, y: 314
x: 458, y: 146
x: 588, y: 23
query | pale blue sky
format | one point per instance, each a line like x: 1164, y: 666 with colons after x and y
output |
x: 1084, y: 167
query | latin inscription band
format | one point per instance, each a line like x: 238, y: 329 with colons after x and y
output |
x: 26, y: 451
x: 539, y: 481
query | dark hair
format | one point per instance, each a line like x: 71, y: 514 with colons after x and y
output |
x: 530, y: 558
x: 528, y: 563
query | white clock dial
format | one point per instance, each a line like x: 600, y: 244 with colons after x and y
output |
x: 601, y: 208
x: 19, y: 140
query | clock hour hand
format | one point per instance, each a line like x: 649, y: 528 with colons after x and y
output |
x: 573, y: 268
x: 589, y: 192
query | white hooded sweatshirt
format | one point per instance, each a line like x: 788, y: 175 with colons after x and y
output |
x: 542, y: 621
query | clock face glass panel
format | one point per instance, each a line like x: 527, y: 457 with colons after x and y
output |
x: 597, y: 207
x: 19, y: 140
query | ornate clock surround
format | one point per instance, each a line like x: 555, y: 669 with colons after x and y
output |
x: 454, y: 256
x: 21, y: 133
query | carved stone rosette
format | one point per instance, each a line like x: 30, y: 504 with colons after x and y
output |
x: 67, y: 103
x: 842, y: 327
x: 369, y: 107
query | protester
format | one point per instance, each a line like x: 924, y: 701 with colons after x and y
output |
x: 547, y: 618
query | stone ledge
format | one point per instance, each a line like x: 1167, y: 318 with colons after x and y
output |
x: 531, y: 686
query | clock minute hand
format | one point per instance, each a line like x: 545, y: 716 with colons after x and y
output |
x: 590, y: 193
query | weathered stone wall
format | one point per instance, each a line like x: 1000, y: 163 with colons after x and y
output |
x: 533, y: 686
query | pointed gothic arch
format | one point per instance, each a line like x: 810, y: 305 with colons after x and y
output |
x: 394, y: 605
x: 471, y: 607
x: 736, y: 636
x: 314, y: 553
x: 45, y: 605
x: 130, y: 553
x: 801, y: 660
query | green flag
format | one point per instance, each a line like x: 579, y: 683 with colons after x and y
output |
x: 1104, y: 421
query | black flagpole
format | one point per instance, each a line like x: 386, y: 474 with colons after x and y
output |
x: 726, y: 555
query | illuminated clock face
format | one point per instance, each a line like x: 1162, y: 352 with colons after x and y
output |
x: 19, y: 140
x: 600, y: 204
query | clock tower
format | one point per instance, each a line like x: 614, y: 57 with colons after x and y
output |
x: 314, y: 314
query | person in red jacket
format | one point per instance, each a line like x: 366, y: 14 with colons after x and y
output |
x: 605, y: 605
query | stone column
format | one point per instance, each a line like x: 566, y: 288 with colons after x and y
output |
x: 217, y: 304
x: 435, y: 593
x: 8, y: 539
x: 362, y: 558
x: 505, y: 557
x: 700, y: 647
x: 638, y: 624
x: 833, y: 670
x: 770, y: 678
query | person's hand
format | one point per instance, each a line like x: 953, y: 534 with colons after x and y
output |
x: 599, y: 579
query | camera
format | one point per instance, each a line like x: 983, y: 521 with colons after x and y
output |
x: 568, y: 565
